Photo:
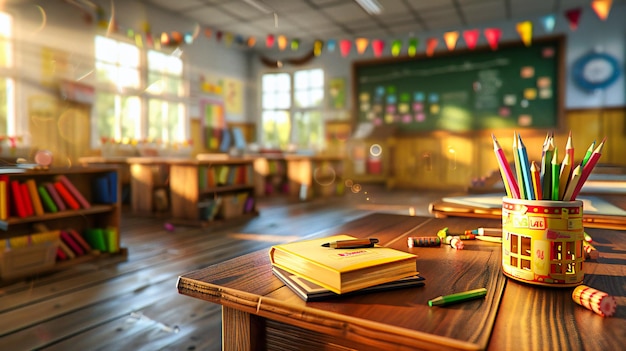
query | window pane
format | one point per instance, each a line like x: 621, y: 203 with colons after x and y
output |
x: 269, y: 101
x: 316, y: 96
x: 166, y: 121
x: 301, y: 99
x: 308, y: 130
x: 130, y: 117
x: 106, y: 49
x: 5, y: 99
x: 105, y: 115
x: 276, y: 128
x: 6, y: 25
x: 317, y: 78
x: 283, y: 82
x: 301, y: 80
x: 129, y: 77
x: 283, y: 100
x: 128, y: 55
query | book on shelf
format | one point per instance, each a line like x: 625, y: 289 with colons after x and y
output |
x: 342, y: 270
x: 17, y: 203
x: 34, y: 197
x: 28, y: 204
x: 4, y: 197
x: 46, y: 200
x: 55, y: 196
x: 66, y: 250
x: 72, y: 190
x: 79, y: 240
x: 72, y: 244
x: 309, y: 291
x: 105, y: 188
x: 95, y: 238
x: 67, y: 197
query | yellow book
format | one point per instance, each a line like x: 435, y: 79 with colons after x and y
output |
x: 4, y: 210
x: 342, y: 270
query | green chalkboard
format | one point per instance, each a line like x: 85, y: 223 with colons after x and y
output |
x: 514, y: 86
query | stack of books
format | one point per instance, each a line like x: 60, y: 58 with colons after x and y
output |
x: 315, y: 272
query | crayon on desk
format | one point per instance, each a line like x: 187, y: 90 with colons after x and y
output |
x: 496, y: 232
x: 458, y: 297
x: 351, y: 244
x: 423, y: 241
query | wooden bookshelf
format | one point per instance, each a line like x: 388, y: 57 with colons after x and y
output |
x: 97, y: 215
x: 228, y: 185
x: 315, y: 176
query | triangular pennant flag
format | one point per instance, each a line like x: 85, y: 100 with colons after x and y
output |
x: 331, y: 44
x: 218, y: 36
x: 207, y: 32
x: 378, y: 46
x: 450, y: 38
x: 295, y: 44
x: 345, y: 45
x: 251, y: 42
x: 396, y: 47
x: 573, y: 16
x: 431, y: 44
x: 525, y: 30
x: 493, y: 37
x: 269, y: 40
x: 412, y: 49
x: 471, y: 38
x: 228, y: 38
x: 548, y: 23
x: 282, y: 42
x: 317, y: 47
x: 361, y: 44
x: 602, y: 8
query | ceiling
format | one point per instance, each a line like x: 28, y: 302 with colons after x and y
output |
x: 308, y: 20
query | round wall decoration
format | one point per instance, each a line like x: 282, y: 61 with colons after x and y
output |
x: 596, y: 70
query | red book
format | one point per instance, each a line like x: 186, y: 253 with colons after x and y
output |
x: 72, y: 189
x: 61, y: 255
x: 66, y: 196
x: 55, y: 196
x: 16, y: 196
x: 72, y: 244
x: 79, y: 239
x: 28, y: 203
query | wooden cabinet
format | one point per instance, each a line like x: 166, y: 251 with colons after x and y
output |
x: 204, y: 192
x: 315, y: 176
x: 103, y: 211
x: 270, y: 176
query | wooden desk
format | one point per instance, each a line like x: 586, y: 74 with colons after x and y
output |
x: 442, y: 209
x: 259, y: 312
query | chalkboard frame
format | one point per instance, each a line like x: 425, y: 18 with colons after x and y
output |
x: 559, y: 42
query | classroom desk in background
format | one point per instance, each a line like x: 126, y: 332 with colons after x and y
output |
x: 260, y: 312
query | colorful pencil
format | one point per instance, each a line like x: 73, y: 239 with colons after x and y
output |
x: 588, y: 153
x: 569, y: 148
x: 564, y: 174
x: 546, y: 171
x: 571, y: 185
x: 555, y: 176
x: 534, y: 173
x: 593, y: 160
x: 508, y: 178
x: 525, y: 166
x: 595, y: 300
x: 518, y: 168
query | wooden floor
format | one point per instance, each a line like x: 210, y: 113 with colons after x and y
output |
x: 134, y: 304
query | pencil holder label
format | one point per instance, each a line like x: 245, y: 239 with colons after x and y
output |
x: 542, y: 241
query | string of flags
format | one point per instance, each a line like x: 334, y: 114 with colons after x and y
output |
x: 144, y: 37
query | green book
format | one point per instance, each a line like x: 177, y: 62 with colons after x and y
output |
x: 110, y: 238
x: 95, y: 239
x: 46, y: 199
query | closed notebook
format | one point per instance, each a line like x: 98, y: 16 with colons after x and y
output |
x: 342, y: 270
x: 309, y: 291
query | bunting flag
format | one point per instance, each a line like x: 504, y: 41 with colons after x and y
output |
x: 396, y: 47
x: 471, y: 38
x: 344, y: 46
x: 251, y: 42
x: 331, y: 44
x: 431, y: 44
x: 282, y: 42
x: 525, y: 30
x: 208, y: 32
x: 228, y: 39
x: 493, y: 37
x: 412, y: 48
x: 218, y: 36
x: 573, y: 16
x: 295, y: 44
x: 317, y: 47
x: 450, y: 38
x: 602, y: 8
x: 361, y: 45
x: 269, y: 40
x: 378, y: 46
x: 548, y: 23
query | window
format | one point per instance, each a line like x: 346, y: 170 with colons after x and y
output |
x: 136, y: 101
x: 291, y: 105
x: 7, y: 83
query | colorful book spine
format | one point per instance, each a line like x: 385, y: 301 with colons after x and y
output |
x: 34, y: 197
x: 4, y: 197
x: 111, y: 238
x: 66, y: 250
x: 75, y: 193
x: 46, y: 200
x: 113, y: 186
x: 55, y: 196
x: 95, y: 238
x: 67, y: 197
x: 61, y: 256
x: 28, y: 205
x: 72, y: 244
x: 79, y: 239
x: 101, y: 190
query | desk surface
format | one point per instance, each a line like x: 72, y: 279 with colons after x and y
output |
x: 512, y: 316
